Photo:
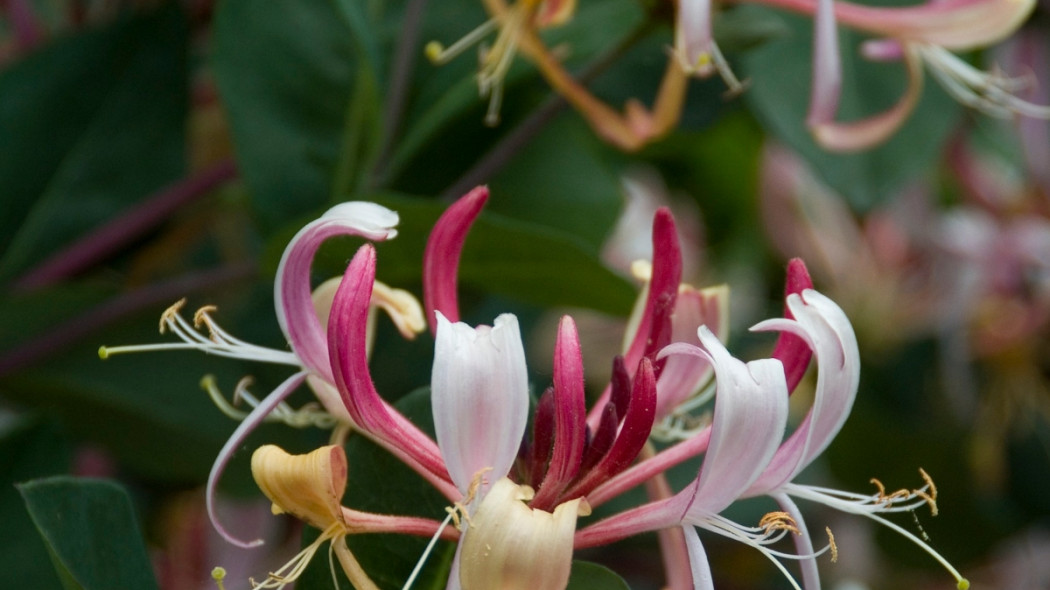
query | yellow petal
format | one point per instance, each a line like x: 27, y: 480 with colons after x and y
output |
x: 310, y: 487
x: 510, y: 546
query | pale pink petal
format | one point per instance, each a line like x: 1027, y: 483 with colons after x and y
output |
x: 247, y: 425
x: 441, y: 258
x: 292, y: 290
x: 749, y: 419
x: 480, y: 397
x: 684, y: 375
x: 865, y: 133
x: 698, y: 563
x: 828, y: 331
x: 803, y: 544
x: 952, y: 24
x: 693, y: 34
x: 827, y: 66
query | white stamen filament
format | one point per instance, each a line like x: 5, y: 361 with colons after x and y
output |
x: 218, y: 341
x: 870, y: 506
x: 441, y: 55
x: 308, y: 415
x: 988, y: 92
x: 426, y: 552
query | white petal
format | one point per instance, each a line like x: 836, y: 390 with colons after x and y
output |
x: 749, y: 419
x: 828, y: 331
x: 480, y: 397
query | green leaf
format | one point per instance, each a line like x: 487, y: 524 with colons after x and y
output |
x: 31, y: 448
x: 526, y: 262
x: 779, y: 95
x: 285, y: 70
x: 591, y: 576
x: 365, y: 25
x: 562, y: 181
x: 91, y: 533
x: 91, y: 124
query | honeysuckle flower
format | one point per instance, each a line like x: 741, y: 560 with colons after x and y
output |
x: 297, y: 315
x: 515, y: 497
x: 760, y: 464
x: 512, y: 22
x: 923, y: 35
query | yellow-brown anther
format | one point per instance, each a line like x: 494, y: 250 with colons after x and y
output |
x: 832, y: 545
x: 778, y: 521
x: 170, y: 313
x: 310, y: 486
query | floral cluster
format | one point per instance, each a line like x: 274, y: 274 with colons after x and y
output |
x: 922, y: 37
x: 518, y: 500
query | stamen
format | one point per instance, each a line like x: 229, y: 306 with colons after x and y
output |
x: 167, y: 317
x: 870, y: 506
x: 308, y: 415
x: 219, y: 574
x: 430, y: 547
x: 217, y: 341
x: 989, y: 92
x: 778, y: 521
x: 709, y: 61
x: 295, y: 567
x: 441, y: 55
x: 722, y: 65
x: 679, y: 426
x: 831, y: 543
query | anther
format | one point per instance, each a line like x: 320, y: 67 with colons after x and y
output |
x: 778, y: 521
x: 832, y: 545
x: 168, y: 317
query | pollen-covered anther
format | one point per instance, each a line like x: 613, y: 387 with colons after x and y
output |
x: 929, y: 493
x: 778, y: 521
x: 831, y: 544
x: 167, y: 318
x: 459, y: 511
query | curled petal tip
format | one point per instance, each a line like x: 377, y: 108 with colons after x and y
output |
x: 441, y: 258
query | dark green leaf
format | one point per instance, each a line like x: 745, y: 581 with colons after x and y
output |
x: 91, y: 532
x: 91, y: 124
x: 591, y: 576
x: 30, y: 448
x: 285, y: 70
x: 563, y: 182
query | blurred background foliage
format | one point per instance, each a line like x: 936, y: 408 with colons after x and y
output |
x: 156, y: 150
